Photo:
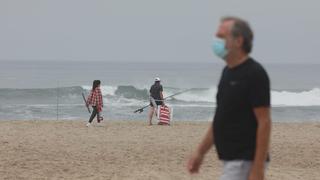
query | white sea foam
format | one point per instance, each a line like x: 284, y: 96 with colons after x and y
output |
x: 304, y: 98
x: 198, y: 95
x: 106, y: 90
x: 278, y: 98
x: 207, y: 95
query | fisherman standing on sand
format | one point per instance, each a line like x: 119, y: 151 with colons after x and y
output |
x: 156, y: 98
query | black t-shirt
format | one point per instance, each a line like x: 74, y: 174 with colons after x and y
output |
x: 155, y: 91
x: 240, y: 89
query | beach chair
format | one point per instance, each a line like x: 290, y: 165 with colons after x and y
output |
x: 164, y: 115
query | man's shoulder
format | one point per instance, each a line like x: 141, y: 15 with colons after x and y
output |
x: 257, y: 71
x: 255, y: 66
x: 155, y: 86
x: 160, y: 87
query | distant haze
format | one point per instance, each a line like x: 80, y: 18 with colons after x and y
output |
x: 153, y: 30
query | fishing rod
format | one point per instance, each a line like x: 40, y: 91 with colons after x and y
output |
x: 140, y: 110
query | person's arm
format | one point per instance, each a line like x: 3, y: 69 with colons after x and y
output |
x: 100, y: 98
x: 262, y: 142
x: 197, y: 157
x: 161, y: 95
x: 89, y: 99
x: 161, y: 92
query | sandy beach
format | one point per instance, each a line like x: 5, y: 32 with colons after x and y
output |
x: 132, y: 150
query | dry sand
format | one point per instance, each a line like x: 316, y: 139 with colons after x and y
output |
x: 133, y: 150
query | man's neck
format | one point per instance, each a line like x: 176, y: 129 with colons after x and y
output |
x: 235, y: 61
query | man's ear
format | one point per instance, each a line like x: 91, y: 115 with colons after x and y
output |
x: 239, y: 41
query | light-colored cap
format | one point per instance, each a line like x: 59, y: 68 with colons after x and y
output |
x: 157, y: 79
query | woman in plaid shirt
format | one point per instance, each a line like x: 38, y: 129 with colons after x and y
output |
x: 95, y: 100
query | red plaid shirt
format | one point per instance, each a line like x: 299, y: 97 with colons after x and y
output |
x: 95, y: 98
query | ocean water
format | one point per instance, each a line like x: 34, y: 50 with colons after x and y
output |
x: 36, y: 90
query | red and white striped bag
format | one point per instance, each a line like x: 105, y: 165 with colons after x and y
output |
x: 164, y: 115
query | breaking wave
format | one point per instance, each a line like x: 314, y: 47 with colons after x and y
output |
x: 131, y: 95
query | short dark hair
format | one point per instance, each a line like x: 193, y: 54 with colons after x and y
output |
x: 243, y: 29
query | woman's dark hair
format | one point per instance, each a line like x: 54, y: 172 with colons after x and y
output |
x: 95, y: 84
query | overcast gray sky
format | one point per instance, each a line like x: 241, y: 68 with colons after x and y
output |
x: 153, y: 30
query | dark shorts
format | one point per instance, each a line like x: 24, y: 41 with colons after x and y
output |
x: 157, y: 102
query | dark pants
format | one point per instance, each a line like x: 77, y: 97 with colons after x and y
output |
x: 94, y: 113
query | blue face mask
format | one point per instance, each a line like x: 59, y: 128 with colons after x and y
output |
x: 219, y: 49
